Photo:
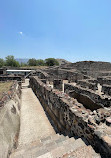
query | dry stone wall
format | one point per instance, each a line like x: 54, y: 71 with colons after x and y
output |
x: 104, y: 80
x: 70, y: 75
x: 86, y: 84
x: 100, y: 100
x: 106, y: 89
x: 41, y: 74
x: 57, y: 84
x: 70, y: 117
x: 9, y: 78
x: 91, y: 66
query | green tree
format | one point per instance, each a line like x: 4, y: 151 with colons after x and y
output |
x: 32, y: 62
x: 23, y: 64
x: 40, y: 62
x: 2, y: 62
x: 10, y: 61
x: 51, y: 62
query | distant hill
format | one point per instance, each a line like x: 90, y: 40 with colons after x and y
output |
x: 62, y: 61
x: 20, y: 60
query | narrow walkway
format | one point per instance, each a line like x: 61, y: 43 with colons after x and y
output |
x: 34, y: 122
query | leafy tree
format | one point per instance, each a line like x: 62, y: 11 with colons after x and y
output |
x: 10, y: 61
x: 32, y: 62
x: 2, y: 62
x: 40, y: 62
x: 51, y: 62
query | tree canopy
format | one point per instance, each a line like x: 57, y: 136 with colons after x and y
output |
x: 2, y: 62
x: 40, y: 62
x: 10, y: 61
x: 51, y: 62
x: 32, y: 62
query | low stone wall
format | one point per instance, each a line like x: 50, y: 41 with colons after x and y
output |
x: 57, y: 84
x: 86, y: 84
x: 99, y: 100
x: 92, y: 81
x: 103, y: 80
x: 44, y: 81
x: 9, y: 78
x: 106, y: 89
x: 9, y: 120
x: 42, y: 75
x: 70, y: 117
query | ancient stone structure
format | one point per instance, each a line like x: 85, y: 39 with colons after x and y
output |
x: 84, y: 109
x: 72, y: 118
x: 57, y: 84
x: 2, y: 71
x: 9, y: 119
x: 8, y: 78
x: 77, y: 100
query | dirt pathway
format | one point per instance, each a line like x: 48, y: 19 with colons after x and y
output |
x: 34, y: 122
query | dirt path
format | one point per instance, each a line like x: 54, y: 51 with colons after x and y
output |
x: 34, y: 122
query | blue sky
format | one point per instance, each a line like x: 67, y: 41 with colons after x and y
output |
x: 71, y: 29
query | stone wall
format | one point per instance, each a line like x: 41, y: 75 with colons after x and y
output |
x: 70, y: 75
x: 9, y: 120
x: 2, y: 71
x: 91, y: 65
x: 86, y: 84
x: 9, y: 78
x: 41, y: 74
x: 91, y: 68
x: 57, y: 84
x: 104, y: 80
x: 92, y: 80
x: 70, y: 117
x: 106, y: 89
x: 99, y: 100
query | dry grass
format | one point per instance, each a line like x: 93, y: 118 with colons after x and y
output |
x: 4, y: 87
x: 34, y: 67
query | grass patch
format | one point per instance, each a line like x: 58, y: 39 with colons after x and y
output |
x: 4, y: 87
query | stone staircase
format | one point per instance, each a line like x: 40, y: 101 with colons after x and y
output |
x: 55, y: 146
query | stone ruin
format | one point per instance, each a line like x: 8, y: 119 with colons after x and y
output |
x: 10, y: 103
x: 78, y: 99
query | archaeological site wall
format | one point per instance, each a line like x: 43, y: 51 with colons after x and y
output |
x: 100, y: 100
x: 104, y: 80
x: 87, y: 84
x: 9, y: 78
x: 70, y: 75
x: 9, y: 119
x: 71, y: 117
x: 90, y: 68
x: 106, y: 89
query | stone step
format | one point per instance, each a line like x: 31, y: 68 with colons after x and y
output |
x: 67, y: 146
x: 83, y: 152
x: 37, y: 145
x: 38, y: 142
x: 56, y: 149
